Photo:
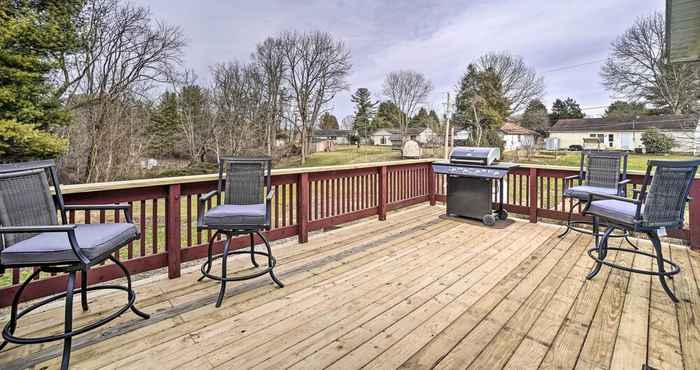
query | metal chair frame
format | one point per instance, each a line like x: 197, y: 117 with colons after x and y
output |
x: 236, y: 230
x: 581, y: 177
x: 599, y: 252
x: 83, y: 265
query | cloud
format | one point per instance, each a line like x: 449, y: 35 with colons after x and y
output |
x: 437, y: 38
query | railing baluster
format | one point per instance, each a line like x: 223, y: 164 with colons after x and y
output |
x: 189, y: 220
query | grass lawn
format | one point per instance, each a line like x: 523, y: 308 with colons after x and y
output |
x: 348, y: 154
x: 636, y: 162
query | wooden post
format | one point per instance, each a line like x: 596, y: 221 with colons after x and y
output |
x: 431, y: 184
x: 172, y: 231
x: 694, y: 216
x: 383, y: 192
x: 532, y: 186
x: 303, y: 207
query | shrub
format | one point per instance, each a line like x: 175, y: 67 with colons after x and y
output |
x: 21, y: 142
x: 657, y: 142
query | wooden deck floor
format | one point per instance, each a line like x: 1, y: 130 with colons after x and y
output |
x: 415, y: 291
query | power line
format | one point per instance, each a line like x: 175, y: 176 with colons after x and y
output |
x: 573, y: 66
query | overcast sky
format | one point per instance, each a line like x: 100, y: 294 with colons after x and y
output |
x: 565, y: 41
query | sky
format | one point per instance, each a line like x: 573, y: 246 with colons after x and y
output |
x: 565, y: 41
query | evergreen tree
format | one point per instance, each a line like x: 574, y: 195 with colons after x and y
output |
x: 31, y: 32
x: 620, y: 109
x: 535, y: 116
x: 481, y: 104
x: 421, y: 119
x: 388, y: 115
x: 163, y: 125
x: 328, y: 122
x: 364, y: 112
x: 565, y: 109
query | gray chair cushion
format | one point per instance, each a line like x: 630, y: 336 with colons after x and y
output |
x: 615, y: 210
x: 94, y: 240
x: 232, y: 215
x: 582, y: 191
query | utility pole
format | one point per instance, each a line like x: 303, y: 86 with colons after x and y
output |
x: 448, y: 107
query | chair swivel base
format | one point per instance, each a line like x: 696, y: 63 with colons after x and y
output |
x: 272, y: 262
x: 9, y: 328
x: 573, y: 225
x: 675, y: 269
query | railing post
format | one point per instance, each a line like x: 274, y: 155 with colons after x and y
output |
x: 694, y: 216
x: 303, y: 207
x: 172, y: 231
x: 532, y: 198
x: 431, y: 184
x: 383, y: 192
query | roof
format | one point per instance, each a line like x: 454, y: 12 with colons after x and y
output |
x: 512, y: 128
x: 662, y: 122
x: 396, y: 131
x: 332, y: 132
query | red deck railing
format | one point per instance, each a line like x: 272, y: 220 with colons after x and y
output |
x: 304, y: 200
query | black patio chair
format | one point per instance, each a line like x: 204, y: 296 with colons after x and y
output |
x: 31, y: 236
x: 601, y: 172
x: 659, y: 208
x: 246, y: 210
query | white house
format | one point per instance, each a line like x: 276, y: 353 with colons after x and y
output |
x: 626, y: 134
x: 516, y: 136
x: 392, y: 136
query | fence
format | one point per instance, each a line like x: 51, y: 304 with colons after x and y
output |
x: 304, y: 200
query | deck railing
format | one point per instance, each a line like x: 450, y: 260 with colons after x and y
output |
x: 305, y: 200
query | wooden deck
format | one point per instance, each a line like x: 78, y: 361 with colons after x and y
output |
x: 415, y: 291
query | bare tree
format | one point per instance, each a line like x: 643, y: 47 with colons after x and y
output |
x: 121, y: 52
x: 520, y: 82
x: 317, y: 67
x: 270, y: 60
x: 408, y: 90
x: 637, y: 68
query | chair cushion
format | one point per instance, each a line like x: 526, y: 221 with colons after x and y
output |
x: 614, y: 210
x: 582, y: 191
x: 233, y: 215
x: 94, y: 240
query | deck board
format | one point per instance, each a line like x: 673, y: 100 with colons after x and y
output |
x: 415, y: 291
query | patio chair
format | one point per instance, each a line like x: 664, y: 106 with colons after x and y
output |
x: 650, y: 212
x: 31, y: 236
x: 246, y: 210
x: 601, y: 172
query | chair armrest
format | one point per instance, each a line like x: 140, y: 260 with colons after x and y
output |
x: 68, y: 229
x: 200, y: 207
x: 569, y: 179
x: 592, y: 196
x: 126, y: 207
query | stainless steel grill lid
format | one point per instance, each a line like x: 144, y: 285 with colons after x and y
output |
x: 477, y: 155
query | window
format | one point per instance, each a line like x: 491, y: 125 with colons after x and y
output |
x: 383, y: 140
x: 611, y: 140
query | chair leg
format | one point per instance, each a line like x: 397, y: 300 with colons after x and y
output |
x: 83, y: 289
x: 132, y: 294
x: 209, y: 254
x: 269, y: 260
x: 224, y: 257
x: 15, y: 303
x: 602, y: 249
x: 252, y: 250
x: 568, y: 221
x: 660, y: 263
x: 68, y: 320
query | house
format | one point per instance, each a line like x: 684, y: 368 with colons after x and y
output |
x: 338, y: 136
x: 392, y: 136
x: 515, y: 136
x: 626, y: 134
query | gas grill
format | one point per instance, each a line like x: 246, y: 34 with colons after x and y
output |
x: 475, y: 180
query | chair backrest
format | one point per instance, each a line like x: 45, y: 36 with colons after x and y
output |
x: 245, y: 179
x: 603, y: 169
x: 664, y: 201
x: 26, y: 198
